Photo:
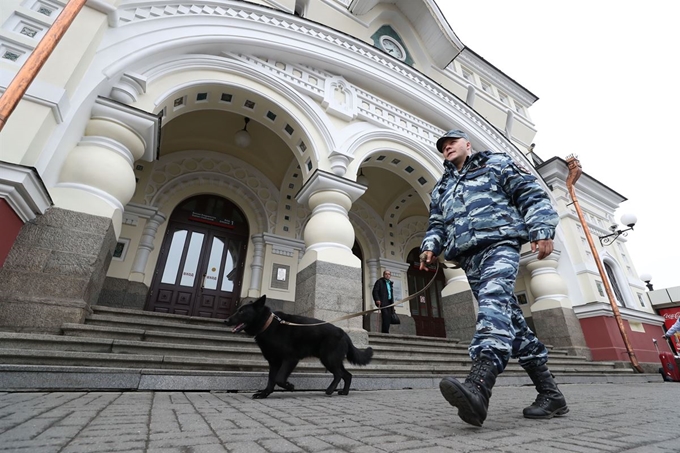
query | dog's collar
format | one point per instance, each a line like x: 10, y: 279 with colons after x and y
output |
x: 269, y: 322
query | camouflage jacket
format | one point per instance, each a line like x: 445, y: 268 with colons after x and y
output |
x: 489, y: 200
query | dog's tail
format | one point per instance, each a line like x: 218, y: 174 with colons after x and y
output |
x: 357, y: 356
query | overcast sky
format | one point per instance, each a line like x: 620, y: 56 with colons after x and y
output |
x: 606, y: 76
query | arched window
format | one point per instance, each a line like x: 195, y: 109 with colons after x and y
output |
x: 614, y: 284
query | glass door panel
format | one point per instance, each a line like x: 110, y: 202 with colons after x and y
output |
x: 174, y: 257
x: 212, y: 273
x: 191, y: 261
x: 231, y: 266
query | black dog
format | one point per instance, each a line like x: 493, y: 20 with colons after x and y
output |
x: 283, y: 346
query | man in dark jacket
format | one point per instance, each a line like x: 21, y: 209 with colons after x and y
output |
x: 383, y: 296
x: 482, y: 210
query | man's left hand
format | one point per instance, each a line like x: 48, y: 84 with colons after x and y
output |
x: 543, y: 246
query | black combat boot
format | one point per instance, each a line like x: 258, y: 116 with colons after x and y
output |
x: 472, y: 396
x: 550, y: 402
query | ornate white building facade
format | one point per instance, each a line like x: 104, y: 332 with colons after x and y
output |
x: 126, y: 178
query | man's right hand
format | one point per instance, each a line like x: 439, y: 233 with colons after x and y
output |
x: 377, y: 302
x: 426, y: 258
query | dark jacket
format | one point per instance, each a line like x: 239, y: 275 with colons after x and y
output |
x: 491, y: 199
x: 380, y: 291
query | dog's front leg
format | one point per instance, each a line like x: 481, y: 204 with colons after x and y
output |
x: 271, y: 382
x: 282, y: 376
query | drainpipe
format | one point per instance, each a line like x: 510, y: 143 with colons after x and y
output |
x: 29, y: 70
x: 574, y: 173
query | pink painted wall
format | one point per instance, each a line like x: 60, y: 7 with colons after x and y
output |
x: 10, y: 224
x: 604, y: 340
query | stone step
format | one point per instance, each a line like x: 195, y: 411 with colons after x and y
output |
x: 139, y: 361
x: 383, y: 355
x: 84, y: 378
x: 139, y: 315
x: 158, y: 325
x: 160, y: 336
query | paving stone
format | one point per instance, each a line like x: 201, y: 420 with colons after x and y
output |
x: 603, y: 418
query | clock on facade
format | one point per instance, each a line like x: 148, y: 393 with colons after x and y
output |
x: 392, y: 47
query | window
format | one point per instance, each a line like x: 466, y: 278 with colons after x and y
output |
x: 641, y: 299
x: 486, y: 87
x: 300, y: 8
x: 522, y: 298
x: 503, y: 97
x: 519, y: 109
x: 614, y: 284
x: 467, y: 75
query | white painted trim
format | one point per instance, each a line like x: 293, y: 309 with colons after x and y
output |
x: 146, y: 212
x: 596, y: 309
x: 24, y: 191
x: 144, y: 124
x: 41, y: 93
x: 110, y: 199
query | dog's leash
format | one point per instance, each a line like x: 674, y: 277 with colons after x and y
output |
x: 354, y: 315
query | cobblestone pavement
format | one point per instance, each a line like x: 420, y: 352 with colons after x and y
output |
x: 603, y: 418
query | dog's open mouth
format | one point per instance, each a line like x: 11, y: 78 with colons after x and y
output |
x: 239, y: 328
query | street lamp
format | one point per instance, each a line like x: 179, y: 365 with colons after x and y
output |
x: 647, y: 278
x: 627, y: 219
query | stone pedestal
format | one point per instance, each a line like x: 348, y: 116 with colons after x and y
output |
x: 327, y: 291
x: 460, y: 316
x: 554, y: 318
x: 458, y: 305
x: 123, y: 293
x: 55, y: 271
x: 561, y: 328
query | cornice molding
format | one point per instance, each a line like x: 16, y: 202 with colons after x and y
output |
x: 324, y: 181
x: 23, y: 190
x: 596, y: 309
x: 408, y: 82
x: 496, y: 77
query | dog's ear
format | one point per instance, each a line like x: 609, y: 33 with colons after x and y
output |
x: 259, y: 303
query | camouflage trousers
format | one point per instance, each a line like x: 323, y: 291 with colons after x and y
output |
x: 501, y: 330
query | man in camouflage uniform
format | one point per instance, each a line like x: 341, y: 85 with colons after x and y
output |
x: 482, y: 210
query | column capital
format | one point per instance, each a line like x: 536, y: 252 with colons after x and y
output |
x: 322, y: 181
x: 145, y: 125
x: 532, y: 258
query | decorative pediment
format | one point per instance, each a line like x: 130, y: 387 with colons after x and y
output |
x: 437, y: 36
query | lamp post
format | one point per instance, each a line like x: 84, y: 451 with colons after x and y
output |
x: 627, y: 219
x: 647, y: 278
x: 574, y: 173
x: 29, y: 70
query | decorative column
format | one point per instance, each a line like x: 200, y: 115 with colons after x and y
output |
x: 551, y: 310
x: 329, y: 275
x: 97, y: 176
x: 370, y: 324
x: 459, y: 306
x: 256, y: 266
x: 146, y: 246
x: 132, y: 292
x: 58, y: 263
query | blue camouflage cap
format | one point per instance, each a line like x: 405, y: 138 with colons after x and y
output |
x: 451, y: 134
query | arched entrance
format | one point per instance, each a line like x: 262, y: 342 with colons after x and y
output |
x: 200, y: 267
x: 426, y: 309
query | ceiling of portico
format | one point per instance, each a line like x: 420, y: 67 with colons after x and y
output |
x: 383, y: 190
x: 213, y: 130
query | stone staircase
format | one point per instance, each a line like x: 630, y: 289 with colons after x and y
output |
x: 119, y: 349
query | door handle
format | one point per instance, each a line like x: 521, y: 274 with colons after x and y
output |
x: 203, y: 282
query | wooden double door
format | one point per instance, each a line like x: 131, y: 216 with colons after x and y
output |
x: 200, y: 268
x: 426, y: 309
